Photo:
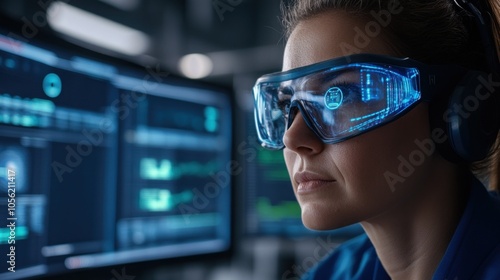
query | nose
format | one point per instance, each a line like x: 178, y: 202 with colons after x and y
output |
x: 300, y: 138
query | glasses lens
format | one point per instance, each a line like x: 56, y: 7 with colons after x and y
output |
x: 337, y: 103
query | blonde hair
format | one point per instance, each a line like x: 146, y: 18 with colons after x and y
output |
x: 495, y: 8
x: 494, y: 177
x: 492, y: 168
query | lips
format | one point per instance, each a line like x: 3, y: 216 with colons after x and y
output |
x: 310, y: 182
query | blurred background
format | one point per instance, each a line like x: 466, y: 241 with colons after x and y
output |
x: 236, y: 40
x: 127, y: 126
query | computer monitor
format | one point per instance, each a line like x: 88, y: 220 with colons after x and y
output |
x: 271, y: 208
x: 103, y: 163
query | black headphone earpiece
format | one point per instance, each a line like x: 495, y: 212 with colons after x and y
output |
x: 473, y: 116
x: 470, y: 115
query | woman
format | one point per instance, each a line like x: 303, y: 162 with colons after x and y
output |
x: 367, y: 136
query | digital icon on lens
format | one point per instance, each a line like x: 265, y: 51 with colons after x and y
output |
x: 52, y: 85
x: 333, y: 98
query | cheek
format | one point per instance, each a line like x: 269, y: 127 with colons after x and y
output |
x: 360, y: 165
x: 365, y: 161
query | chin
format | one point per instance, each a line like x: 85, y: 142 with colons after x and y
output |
x: 315, y: 217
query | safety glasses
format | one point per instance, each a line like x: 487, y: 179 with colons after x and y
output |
x: 345, y: 97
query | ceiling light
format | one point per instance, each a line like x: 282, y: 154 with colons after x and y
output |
x: 96, y: 30
x: 195, y: 66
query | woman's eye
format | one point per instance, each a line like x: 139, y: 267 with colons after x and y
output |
x: 347, y: 92
x: 284, y: 105
x: 284, y: 98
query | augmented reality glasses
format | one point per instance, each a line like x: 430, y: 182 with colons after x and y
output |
x: 345, y: 97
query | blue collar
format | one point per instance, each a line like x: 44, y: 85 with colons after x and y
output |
x: 476, y: 238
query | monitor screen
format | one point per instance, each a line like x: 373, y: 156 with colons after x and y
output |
x: 103, y: 163
x: 271, y: 207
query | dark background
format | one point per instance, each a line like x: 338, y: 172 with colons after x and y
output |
x: 244, y: 40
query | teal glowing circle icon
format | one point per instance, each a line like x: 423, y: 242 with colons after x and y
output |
x: 52, y: 85
x: 333, y: 98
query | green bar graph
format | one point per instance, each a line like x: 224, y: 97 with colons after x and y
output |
x: 274, y: 165
x: 284, y: 210
x: 153, y: 169
x: 155, y: 200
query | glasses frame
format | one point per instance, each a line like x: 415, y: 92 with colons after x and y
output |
x: 433, y: 80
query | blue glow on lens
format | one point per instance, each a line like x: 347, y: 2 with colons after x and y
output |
x: 383, y: 113
x: 371, y: 81
x: 333, y: 98
x: 375, y: 94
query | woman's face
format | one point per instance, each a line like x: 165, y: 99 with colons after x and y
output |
x: 344, y: 183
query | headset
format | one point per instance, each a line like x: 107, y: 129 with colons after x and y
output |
x: 470, y: 116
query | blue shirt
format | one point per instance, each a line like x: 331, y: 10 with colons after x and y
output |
x: 473, y: 252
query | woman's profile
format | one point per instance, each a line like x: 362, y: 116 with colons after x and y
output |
x: 388, y: 115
